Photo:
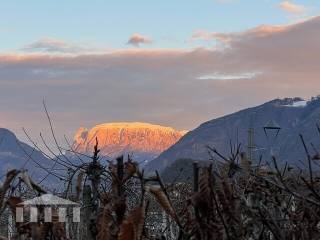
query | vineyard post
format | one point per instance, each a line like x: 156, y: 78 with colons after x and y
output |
x: 196, y: 184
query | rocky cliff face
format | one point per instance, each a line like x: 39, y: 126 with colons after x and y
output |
x: 143, y: 140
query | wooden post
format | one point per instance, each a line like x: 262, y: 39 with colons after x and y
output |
x: 120, y: 172
x: 196, y: 189
x: 195, y: 177
x: 86, y: 214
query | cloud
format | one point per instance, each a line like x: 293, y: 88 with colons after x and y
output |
x: 53, y: 45
x: 137, y: 39
x: 227, y: 38
x: 292, y: 8
x: 174, y: 87
x: 207, y: 36
x: 239, y: 76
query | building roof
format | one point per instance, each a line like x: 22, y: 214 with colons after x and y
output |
x: 48, y: 199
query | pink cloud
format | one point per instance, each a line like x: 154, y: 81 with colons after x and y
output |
x: 53, y: 45
x: 179, y: 88
x: 292, y: 7
x: 137, y: 39
x: 205, y: 35
x: 228, y: 38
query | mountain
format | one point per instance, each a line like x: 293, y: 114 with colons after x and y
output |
x: 181, y: 170
x: 15, y: 154
x: 293, y: 115
x: 143, y: 140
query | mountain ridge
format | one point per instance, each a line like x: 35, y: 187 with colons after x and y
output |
x: 15, y: 154
x: 294, y: 115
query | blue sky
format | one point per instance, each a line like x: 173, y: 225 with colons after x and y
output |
x: 109, y: 24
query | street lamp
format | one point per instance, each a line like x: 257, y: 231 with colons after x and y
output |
x: 271, y: 130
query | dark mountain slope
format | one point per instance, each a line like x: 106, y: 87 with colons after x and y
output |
x: 293, y: 115
x: 15, y: 154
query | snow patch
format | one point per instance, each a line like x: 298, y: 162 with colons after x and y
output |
x: 301, y: 103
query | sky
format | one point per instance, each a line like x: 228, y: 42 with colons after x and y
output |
x: 174, y: 63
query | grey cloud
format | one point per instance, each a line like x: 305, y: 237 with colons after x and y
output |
x: 137, y: 39
x: 160, y: 86
x: 52, y: 45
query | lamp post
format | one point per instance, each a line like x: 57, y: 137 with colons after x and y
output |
x: 271, y: 130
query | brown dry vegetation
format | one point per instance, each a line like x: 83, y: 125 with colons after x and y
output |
x: 230, y: 199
